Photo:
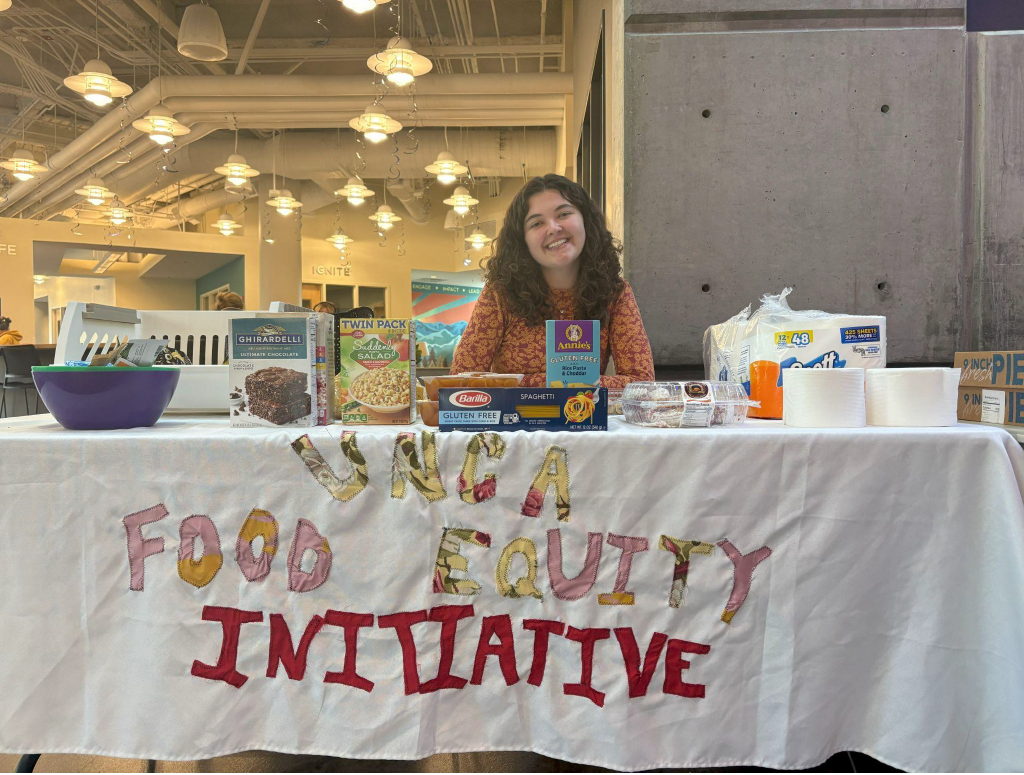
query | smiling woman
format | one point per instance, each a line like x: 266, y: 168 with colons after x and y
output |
x: 555, y: 260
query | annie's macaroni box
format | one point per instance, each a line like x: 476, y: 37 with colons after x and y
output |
x: 573, y: 353
x: 273, y: 371
x: 376, y: 379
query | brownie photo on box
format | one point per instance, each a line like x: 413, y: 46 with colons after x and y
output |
x: 278, y: 395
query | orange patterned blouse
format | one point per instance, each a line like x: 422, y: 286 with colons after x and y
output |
x: 497, y: 341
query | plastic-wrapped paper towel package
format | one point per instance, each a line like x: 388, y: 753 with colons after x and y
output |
x: 757, y: 348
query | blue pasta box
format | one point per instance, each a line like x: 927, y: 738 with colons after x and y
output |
x: 523, y: 409
x: 573, y: 349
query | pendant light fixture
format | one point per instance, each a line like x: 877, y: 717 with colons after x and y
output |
x: 461, y: 201
x: 399, y: 63
x: 96, y: 83
x: 236, y: 170
x: 447, y: 168
x: 201, y: 35
x: 95, y: 191
x: 340, y: 240
x: 160, y: 125
x: 478, y: 240
x: 226, y: 225
x: 355, y: 191
x: 23, y: 164
x: 283, y: 201
x: 385, y: 218
x: 118, y: 213
x: 362, y: 6
x: 5, y: 4
x: 375, y: 124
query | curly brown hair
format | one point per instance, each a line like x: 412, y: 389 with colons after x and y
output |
x: 517, y: 277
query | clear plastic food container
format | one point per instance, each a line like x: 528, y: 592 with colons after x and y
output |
x: 696, y: 404
x: 614, y: 401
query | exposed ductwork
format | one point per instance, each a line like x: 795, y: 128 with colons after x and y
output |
x: 293, y: 102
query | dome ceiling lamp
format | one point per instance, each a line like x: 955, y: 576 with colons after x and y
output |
x: 356, y: 6
x: 375, y: 124
x: 283, y: 201
x: 118, y: 213
x: 23, y: 164
x: 461, y: 200
x: 478, y: 240
x: 201, y: 35
x: 340, y: 240
x: 354, y: 191
x: 447, y: 168
x: 236, y: 170
x: 96, y: 82
x: 160, y: 125
x: 5, y: 4
x: 399, y: 63
x: 95, y: 191
x: 226, y: 225
x: 385, y: 218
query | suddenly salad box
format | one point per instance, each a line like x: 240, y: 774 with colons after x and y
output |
x: 376, y: 379
x: 573, y: 353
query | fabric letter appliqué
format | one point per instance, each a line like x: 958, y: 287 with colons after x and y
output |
x: 469, y: 489
x: 449, y: 559
x: 525, y: 586
x: 681, y: 551
x: 308, y: 537
x: 554, y: 472
x: 405, y: 466
x: 199, y: 572
x: 629, y: 545
x: 140, y: 548
x: 743, y: 573
x: 259, y: 524
x: 340, y: 489
x: 577, y: 587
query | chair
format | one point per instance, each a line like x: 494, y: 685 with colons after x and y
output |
x: 46, y: 355
x: 18, y: 362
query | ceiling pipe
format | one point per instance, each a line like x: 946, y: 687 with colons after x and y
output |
x: 306, y: 155
x: 414, y: 205
x: 199, y: 204
x: 270, y: 89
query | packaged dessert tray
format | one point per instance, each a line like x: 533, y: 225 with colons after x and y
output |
x: 697, y: 404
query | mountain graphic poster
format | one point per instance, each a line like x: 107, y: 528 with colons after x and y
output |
x: 442, y: 312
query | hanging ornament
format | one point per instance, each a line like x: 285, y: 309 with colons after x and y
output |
x: 399, y: 63
x: 478, y: 240
x: 97, y: 84
x: 461, y: 201
x: 236, y: 170
x: 362, y: 6
x: 95, y: 192
x: 354, y: 191
x: 118, y: 213
x: 385, y: 218
x: 226, y: 225
x: 447, y: 168
x: 340, y: 240
x: 23, y: 164
x: 375, y: 124
x: 283, y: 201
x: 160, y: 125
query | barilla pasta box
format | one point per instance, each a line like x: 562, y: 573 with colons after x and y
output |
x: 573, y: 353
x: 376, y: 379
x: 991, y: 369
x: 523, y: 409
x: 273, y: 371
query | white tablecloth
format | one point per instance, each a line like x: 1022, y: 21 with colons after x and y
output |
x: 888, y: 618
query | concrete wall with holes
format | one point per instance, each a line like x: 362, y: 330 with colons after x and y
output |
x: 818, y: 144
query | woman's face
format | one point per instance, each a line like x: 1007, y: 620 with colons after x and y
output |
x: 554, y: 230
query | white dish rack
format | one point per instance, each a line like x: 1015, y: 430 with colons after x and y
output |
x: 89, y: 329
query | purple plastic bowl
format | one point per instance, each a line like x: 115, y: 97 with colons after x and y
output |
x: 82, y: 398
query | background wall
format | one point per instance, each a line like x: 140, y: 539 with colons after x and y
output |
x: 232, y: 275
x: 811, y: 143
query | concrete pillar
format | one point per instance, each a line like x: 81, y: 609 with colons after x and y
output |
x: 280, y: 251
